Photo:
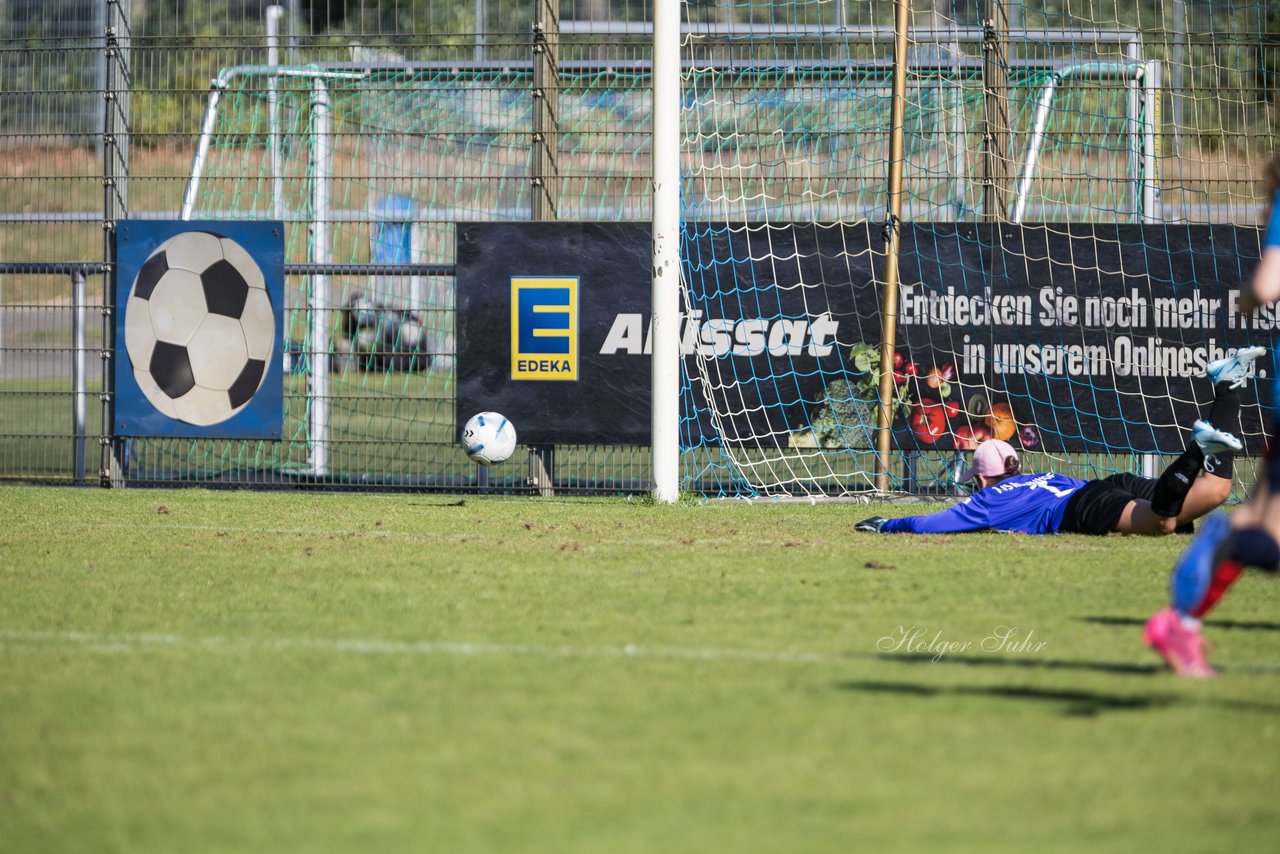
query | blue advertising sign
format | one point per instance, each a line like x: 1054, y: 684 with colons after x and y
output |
x: 199, y: 325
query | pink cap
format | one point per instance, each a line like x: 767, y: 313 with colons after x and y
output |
x: 988, y: 459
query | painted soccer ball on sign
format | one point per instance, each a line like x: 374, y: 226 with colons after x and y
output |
x: 199, y: 327
x: 488, y: 438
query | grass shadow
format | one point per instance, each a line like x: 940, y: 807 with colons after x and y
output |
x: 1251, y: 625
x: 1123, y: 667
x: 1075, y: 703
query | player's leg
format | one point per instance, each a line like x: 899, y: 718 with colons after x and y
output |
x: 1207, y: 494
x: 1213, y: 486
x: 1216, y: 434
x: 1250, y: 537
x: 1212, y: 562
x: 1173, y: 632
x: 1183, y: 493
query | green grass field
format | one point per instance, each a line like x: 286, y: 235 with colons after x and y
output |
x: 234, y: 671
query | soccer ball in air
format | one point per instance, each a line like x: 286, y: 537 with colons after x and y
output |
x: 488, y: 438
x: 199, y: 327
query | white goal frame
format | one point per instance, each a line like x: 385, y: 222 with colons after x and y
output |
x: 1142, y: 77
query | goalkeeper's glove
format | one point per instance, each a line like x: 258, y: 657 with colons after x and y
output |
x: 874, y: 524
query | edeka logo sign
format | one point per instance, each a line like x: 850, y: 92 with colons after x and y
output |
x: 544, y: 328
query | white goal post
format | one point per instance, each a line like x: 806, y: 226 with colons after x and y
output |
x: 666, y: 251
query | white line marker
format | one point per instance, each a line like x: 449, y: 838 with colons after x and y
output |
x: 131, y: 643
x: 128, y: 644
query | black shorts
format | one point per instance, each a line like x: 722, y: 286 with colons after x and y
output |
x: 1095, y: 508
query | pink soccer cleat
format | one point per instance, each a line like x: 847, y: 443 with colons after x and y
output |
x: 1181, y: 647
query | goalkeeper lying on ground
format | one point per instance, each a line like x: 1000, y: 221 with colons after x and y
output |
x: 1008, y: 500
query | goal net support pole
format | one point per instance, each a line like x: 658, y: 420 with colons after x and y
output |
x: 318, y: 293
x: 888, y: 340
x: 665, y: 321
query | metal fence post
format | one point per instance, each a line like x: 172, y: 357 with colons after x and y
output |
x: 79, y: 392
x: 112, y: 471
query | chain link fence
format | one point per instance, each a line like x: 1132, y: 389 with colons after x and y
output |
x: 101, y: 105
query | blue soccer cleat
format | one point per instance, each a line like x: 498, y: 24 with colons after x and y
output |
x: 1212, y: 440
x: 1234, y: 369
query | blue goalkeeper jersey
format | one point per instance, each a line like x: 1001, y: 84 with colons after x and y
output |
x: 1028, y: 503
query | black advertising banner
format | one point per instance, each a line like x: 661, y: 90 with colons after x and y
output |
x: 1094, y: 336
x: 1053, y: 336
x: 528, y: 294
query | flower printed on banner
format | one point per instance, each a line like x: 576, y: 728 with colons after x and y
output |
x: 927, y: 403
